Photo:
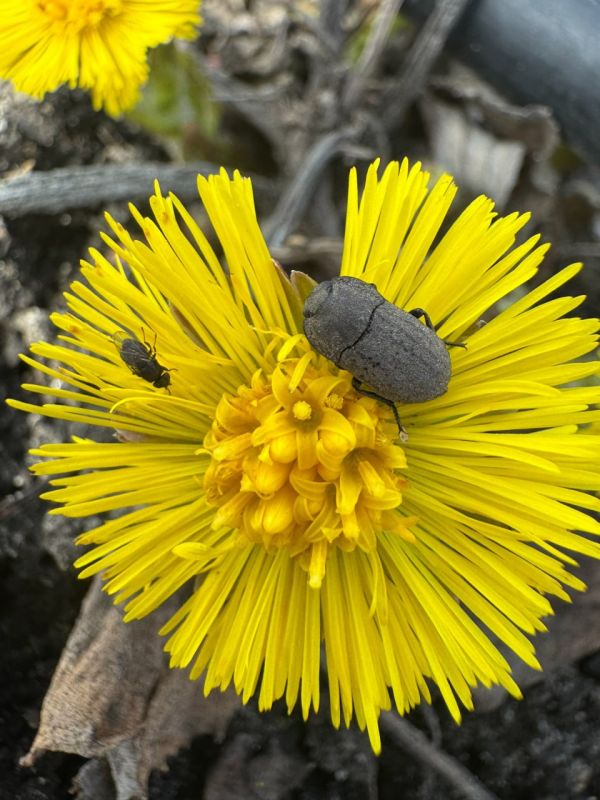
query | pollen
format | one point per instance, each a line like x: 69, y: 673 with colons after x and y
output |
x: 305, y: 463
x: 302, y: 410
x: 334, y: 400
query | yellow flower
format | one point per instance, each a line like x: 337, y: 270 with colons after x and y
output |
x: 98, y: 45
x: 255, y: 465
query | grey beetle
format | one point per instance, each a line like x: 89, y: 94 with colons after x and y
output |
x: 388, y: 349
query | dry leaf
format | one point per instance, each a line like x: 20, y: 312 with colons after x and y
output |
x: 113, y: 697
x: 480, y: 138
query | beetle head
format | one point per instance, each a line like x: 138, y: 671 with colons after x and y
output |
x: 337, y: 313
x: 319, y: 295
x: 163, y: 380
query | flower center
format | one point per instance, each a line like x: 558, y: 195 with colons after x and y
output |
x: 77, y: 15
x: 301, y: 460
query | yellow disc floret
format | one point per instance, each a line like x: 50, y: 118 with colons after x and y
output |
x: 301, y: 460
x: 73, y: 17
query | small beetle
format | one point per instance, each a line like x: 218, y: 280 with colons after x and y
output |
x: 352, y: 324
x: 141, y: 359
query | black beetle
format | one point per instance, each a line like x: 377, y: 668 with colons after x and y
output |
x: 140, y: 357
x: 349, y: 322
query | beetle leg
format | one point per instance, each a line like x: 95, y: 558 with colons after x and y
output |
x: 356, y: 384
x: 420, y: 312
x: 151, y: 348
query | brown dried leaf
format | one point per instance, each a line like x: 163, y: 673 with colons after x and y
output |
x: 482, y: 139
x: 113, y: 696
x: 476, y: 157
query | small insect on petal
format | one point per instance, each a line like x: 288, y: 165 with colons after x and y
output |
x: 141, y: 359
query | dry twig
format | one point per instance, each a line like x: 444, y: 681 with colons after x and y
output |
x: 88, y: 187
x: 294, y: 200
x: 372, y: 52
x: 416, y: 743
x: 420, y: 59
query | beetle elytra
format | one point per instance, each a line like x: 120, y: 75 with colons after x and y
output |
x: 388, y: 349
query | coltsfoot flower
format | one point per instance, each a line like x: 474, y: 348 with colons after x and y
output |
x: 285, y: 499
x: 99, y: 45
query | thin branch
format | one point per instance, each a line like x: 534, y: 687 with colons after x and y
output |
x: 578, y: 250
x: 371, y: 54
x: 420, y: 59
x: 260, y: 106
x: 416, y: 743
x: 297, y: 195
x: 331, y: 20
x: 88, y: 187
